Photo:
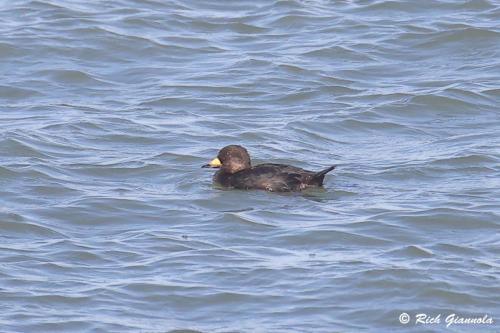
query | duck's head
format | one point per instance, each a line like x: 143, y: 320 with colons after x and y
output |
x: 231, y: 159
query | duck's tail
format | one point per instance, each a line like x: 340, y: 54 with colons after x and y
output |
x: 317, y: 178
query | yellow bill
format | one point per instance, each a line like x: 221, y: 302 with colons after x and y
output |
x: 215, y: 163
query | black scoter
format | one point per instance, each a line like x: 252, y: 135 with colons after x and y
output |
x: 237, y: 172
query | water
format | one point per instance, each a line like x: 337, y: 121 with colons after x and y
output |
x: 109, y: 108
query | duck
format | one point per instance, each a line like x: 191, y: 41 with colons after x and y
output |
x: 236, y: 172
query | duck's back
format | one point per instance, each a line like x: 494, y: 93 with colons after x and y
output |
x: 270, y: 177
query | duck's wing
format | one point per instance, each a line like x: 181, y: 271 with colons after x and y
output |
x: 270, y: 177
x: 281, y: 168
x: 305, y: 176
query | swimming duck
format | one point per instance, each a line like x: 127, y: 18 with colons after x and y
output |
x: 237, y: 172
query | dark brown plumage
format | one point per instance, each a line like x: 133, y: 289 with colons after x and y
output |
x: 237, y: 172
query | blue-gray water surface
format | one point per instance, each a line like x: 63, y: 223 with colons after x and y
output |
x: 109, y: 108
